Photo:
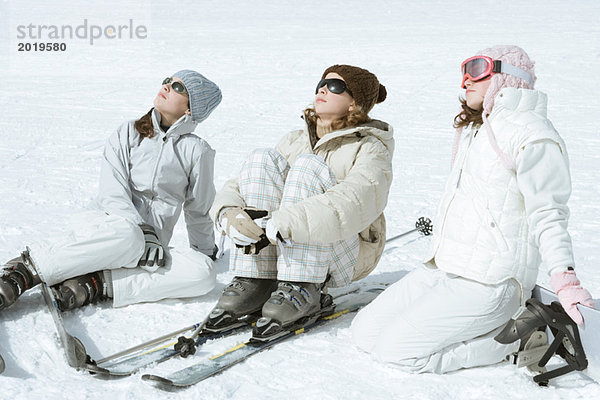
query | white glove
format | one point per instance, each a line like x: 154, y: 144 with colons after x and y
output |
x: 238, y: 225
x: 273, y: 233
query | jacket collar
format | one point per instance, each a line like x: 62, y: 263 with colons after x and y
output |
x: 521, y: 100
x: 182, y: 126
x: 379, y: 129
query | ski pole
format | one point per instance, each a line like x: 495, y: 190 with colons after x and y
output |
x: 423, y: 226
x: 148, y: 343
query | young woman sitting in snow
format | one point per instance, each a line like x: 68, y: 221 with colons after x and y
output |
x: 152, y: 168
x: 505, y: 203
x: 325, y: 187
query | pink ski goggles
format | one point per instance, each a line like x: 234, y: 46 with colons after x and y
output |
x: 478, y: 68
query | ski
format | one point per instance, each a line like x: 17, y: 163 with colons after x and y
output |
x: 589, y: 332
x: 133, y: 362
x: 164, y: 348
x: 2, y: 365
x: 75, y: 352
x: 219, y: 363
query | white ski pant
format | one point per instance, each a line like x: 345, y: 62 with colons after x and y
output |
x: 431, y: 321
x: 109, y: 243
x: 268, y: 182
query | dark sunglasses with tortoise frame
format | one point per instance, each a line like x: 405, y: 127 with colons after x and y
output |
x: 176, y: 85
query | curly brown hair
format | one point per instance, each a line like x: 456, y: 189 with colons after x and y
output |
x: 144, y: 125
x: 467, y: 116
x: 354, y: 118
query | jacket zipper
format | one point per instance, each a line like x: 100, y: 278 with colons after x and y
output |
x: 162, y: 146
x: 442, y: 228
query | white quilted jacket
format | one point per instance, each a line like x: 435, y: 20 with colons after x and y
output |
x: 493, y: 223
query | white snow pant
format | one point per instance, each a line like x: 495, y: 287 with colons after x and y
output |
x: 431, y: 321
x: 109, y: 243
x: 267, y: 182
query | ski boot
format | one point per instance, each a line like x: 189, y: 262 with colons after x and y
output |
x: 80, y: 291
x: 566, y: 343
x: 291, y: 306
x: 16, y: 277
x: 240, y: 303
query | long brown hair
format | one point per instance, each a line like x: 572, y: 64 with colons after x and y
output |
x: 144, y: 125
x: 354, y: 118
x: 467, y: 116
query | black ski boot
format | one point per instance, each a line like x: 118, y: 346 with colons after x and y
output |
x: 17, y: 276
x: 566, y: 344
x: 240, y: 303
x: 80, y: 291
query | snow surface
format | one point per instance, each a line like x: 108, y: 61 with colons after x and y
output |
x: 58, y: 108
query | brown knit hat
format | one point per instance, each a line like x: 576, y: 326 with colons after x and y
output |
x: 366, y: 89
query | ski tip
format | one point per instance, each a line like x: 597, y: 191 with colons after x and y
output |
x: 2, y: 365
x: 96, y: 370
x: 157, y: 379
x: 165, y: 384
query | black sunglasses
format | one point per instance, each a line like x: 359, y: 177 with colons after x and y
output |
x: 176, y: 85
x: 336, y: 86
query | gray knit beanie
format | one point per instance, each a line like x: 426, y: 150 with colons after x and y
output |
x: 205, y: 95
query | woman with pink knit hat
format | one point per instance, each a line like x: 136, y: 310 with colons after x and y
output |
x: 504, y: 206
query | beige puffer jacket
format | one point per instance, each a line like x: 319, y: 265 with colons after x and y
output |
x: 361, y: 160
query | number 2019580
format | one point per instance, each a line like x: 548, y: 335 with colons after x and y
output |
x: 42, y: 46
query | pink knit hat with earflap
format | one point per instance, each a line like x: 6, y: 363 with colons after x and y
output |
x: 517, y: 57
x: 513, y: 55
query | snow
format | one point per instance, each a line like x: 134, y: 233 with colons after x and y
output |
x: 58, y: 108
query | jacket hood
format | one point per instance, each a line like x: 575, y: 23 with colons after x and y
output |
x: 182, y: 126
x: 376, y: 128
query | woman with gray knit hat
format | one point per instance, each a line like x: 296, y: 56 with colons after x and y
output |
x: 308, y: 213
x: 504, y: 206
x: 152, y: 169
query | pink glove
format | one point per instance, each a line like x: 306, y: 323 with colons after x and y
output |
x: 569, y: 291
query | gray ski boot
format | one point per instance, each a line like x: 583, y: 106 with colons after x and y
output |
x: 240, y: 303
x: 291, y: 306
x: 80, y: 291
x: 16, y: 277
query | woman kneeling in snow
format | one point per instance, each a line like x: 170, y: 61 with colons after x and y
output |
x: 325, y: 188
x: 505, y: 203
x: 152, y: 168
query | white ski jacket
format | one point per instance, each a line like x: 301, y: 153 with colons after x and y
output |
x: 361, y: 160
x: 493, y: 223
x: 151, y: 180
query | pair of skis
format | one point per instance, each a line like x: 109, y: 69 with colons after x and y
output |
x: 165, y: 348
x: 205, y: 369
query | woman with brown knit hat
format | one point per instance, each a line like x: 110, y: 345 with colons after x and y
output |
x: 319, y: 196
